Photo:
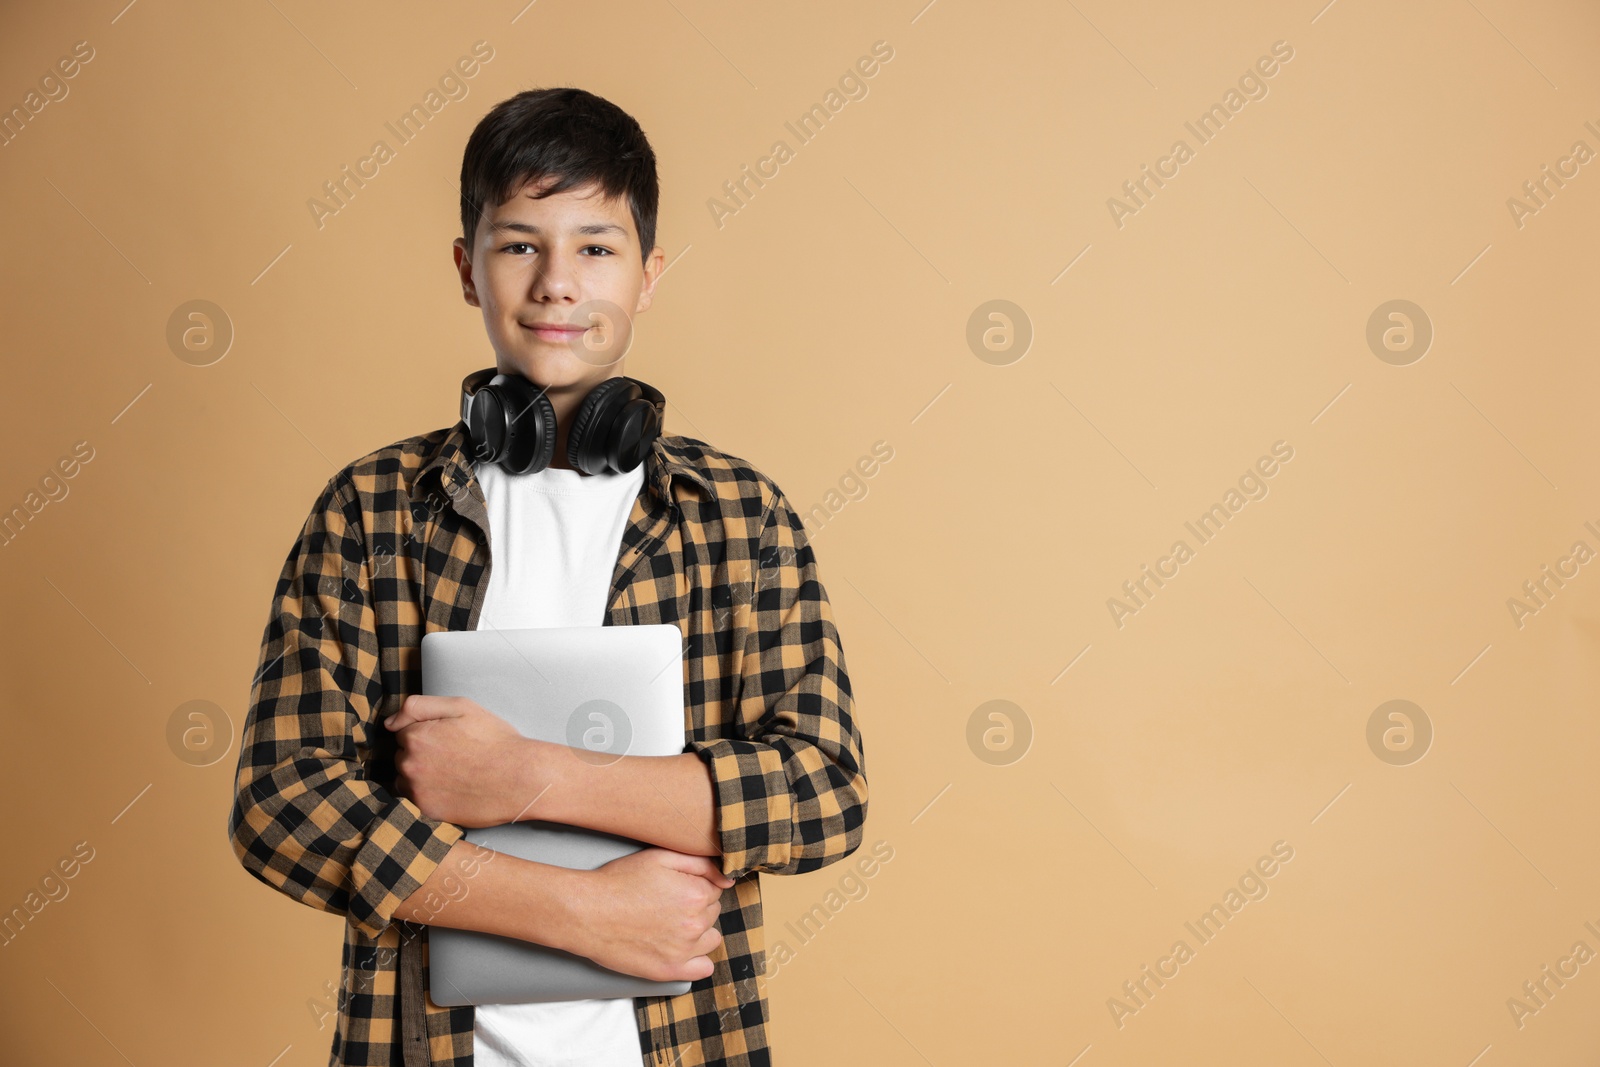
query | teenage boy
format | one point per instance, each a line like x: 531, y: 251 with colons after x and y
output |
x: 353, y: 790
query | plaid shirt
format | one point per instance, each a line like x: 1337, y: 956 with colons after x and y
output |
x: 395, y: 546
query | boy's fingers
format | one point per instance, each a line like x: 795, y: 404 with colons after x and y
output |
x: 712, y: 871
x: 417, y: 707
x: 704, y: 866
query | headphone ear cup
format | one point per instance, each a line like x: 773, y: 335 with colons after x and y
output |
x: 511, y: 422
x: 633, y: 431
x: 530, y: 427
x: 589, y: 435
x: 486, y: 425
x: 469, y: 387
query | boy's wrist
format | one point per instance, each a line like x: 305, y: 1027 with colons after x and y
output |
x: 536, y: 784
x: 556, y: 917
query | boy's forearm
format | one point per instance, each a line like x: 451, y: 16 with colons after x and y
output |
x: 475, y: 888
x: 668, y: 801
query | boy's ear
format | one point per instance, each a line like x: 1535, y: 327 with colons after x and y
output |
x: 654, y: 264
x: 469, y: 290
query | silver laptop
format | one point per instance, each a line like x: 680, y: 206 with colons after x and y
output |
x: 609, y: 690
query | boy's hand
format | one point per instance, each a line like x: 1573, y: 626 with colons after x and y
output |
x: 651, y: 913
x: 460, y: 763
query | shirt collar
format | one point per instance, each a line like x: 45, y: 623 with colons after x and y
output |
x: 454, y: 466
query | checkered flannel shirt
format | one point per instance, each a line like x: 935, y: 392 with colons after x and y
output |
x: 396, y: 545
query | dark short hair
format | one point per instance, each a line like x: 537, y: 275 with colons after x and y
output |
x: 567, y: 134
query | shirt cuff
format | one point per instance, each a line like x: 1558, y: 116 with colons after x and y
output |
x: 755, y: 821
x: 399, y: 854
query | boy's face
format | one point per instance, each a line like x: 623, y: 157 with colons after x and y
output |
x: 559, y: 280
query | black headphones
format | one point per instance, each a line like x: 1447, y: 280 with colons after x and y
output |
x: 511, y: 422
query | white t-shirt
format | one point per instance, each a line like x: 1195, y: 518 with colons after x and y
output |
x: 554, y: 538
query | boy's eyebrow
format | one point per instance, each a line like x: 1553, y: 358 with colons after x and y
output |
x: 586, y: 230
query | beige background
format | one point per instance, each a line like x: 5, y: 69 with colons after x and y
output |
x: 830, y: 312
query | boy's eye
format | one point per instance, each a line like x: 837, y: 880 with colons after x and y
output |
x: 513, y: 246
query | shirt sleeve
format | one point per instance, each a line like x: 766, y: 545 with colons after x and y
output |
x: 791, y: 790
x: 305, y: 819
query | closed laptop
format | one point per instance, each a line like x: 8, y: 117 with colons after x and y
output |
x: 608, y: 690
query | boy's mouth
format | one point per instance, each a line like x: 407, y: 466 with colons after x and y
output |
x: 554, y: 331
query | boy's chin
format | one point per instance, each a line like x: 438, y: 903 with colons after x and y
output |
x: 557, y: 369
